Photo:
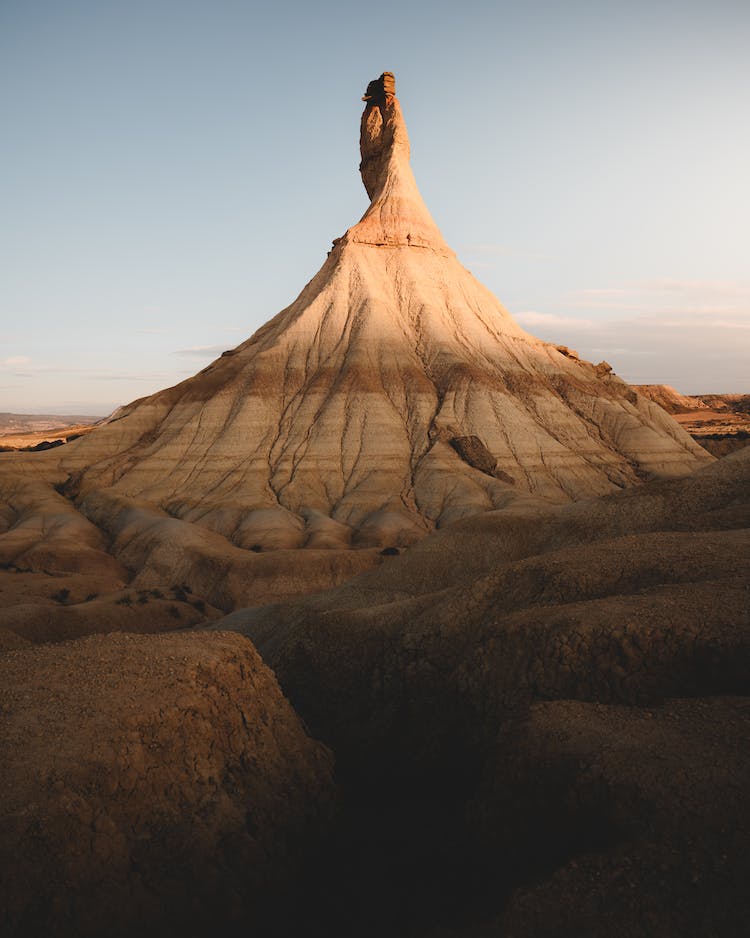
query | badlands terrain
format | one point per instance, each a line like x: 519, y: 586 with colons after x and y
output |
x: 393, y: 620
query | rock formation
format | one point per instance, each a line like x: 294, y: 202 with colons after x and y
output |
x: 394, y: 396
x: 332, y: 425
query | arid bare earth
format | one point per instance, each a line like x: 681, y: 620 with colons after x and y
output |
x: 507, y: 593
x: 20, y: 431
x: 334, y: 425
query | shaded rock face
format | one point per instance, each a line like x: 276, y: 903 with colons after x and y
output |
x: 151, y: 785
x: 332, y: 424
x: 549, y: 707
x: 473, y: 451
x: 642, y: 812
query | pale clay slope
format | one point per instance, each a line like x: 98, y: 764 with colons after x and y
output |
x: 331, y: 426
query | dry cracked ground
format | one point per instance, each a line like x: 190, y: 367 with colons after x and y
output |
x: 534, y: 722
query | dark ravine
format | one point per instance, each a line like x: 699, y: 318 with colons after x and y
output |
x: 449, y: 710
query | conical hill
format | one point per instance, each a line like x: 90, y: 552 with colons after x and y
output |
x: 394, y: 395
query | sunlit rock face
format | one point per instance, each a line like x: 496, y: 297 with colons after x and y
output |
x: 332, y: 426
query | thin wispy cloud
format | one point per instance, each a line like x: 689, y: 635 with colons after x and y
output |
x: 501, y: 250
x: 31, y: 368
x: 692, y: 334
x: 645, y: 306
x: 737, y: 288
x: 602, y: 291
x: 150, y: 376
x: 15, y: 361
x: 201, y: 351
x: 692, y: 293
x: 18, y: 366
x: 533, y: 318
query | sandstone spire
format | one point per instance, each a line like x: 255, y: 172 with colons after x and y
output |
x: 397, y: 213
x: 394, y: 395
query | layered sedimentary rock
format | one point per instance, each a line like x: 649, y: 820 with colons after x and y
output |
x: 332, y: 426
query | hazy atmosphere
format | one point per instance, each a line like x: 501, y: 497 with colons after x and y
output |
x: 174, y: 173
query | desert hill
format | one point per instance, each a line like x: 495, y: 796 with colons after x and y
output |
x: 395, y: 395
x: 38, y: 423
x: 675, y: 403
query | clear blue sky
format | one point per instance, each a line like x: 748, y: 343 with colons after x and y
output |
x: 174, y: 173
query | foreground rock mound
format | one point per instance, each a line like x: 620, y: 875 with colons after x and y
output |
x: 157, y: 785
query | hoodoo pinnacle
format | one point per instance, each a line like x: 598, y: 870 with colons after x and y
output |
x: 379, y: 88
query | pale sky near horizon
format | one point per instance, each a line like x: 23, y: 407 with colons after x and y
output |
x: 174, y: 173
